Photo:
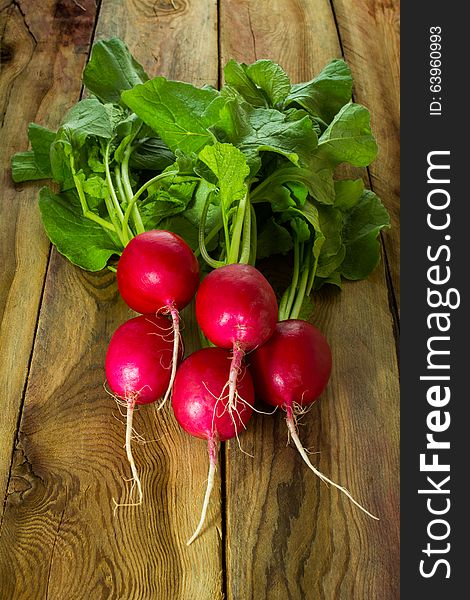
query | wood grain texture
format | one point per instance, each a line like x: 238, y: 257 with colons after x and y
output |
x: 59, y: 535
x: 41, y: 62
x: 369, y: 34
x: 289, y: 535
x: 298, y: 35
x: 174, y: 38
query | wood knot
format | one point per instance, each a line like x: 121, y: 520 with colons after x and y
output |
x: 67, y: 9
x: 165, y: 8
x: 6, y: 53
x: 19, y: 485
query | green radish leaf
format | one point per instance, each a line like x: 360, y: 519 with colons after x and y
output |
x: 255, y: 130
x: 166, y: 200
x: 185, y: 164
x: 367, y: 216
x: 318, y: 184
x: 280, y: 198
x: 299, y: 191
x: 120, y: 118
x: 310, y: 212
x: 96, y: 186
x: 36, y: 163
x: 325, y: 95
x: 25, y: 168
x: 317, y: 178
x: 334, y: 278
x: 331, y: 224
x: 61, y: 150
x: 236, y: 78
x: 361, y: 258
x: 194, y: 209
x: 321, y: 183
x: 347, y: 193
x: 85, y: 243
x: 332, y: 249
x: 230, y: 167
x: 41, y: 140
x: 112, y: 69
x: 273, y: 239
x: 179, y: 112
x: 184, y: 228
x: 261, y: 84
x: 329, y: 263
x: 87, y: 118
x: 152, y: 155
x: 294, y: 114
x: 301, y: 229
x: 271, y: 78
x: 361, y: 228
x: 95, y: 160
x: 348, y: 138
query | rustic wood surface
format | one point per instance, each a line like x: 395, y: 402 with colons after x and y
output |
x: 274, y: 530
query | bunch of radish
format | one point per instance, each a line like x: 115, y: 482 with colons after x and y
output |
x: 242, y: 173
x: 212, y: 390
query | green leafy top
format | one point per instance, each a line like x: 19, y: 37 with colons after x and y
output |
x: 326, y: 94
x: 111, y: 70
x: 180, y: 113
x: 263, y: 83
x: 241, y: 173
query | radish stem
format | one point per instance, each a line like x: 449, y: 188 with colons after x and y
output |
x: 202, y: 239
x: 212, y: 446
x: 295, y: 437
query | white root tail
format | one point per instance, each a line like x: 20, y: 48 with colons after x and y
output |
x: 235, y: 366
x: 175, y: 317
x: 135, y: 475
x: 212, y: 444
x: 295, y: 437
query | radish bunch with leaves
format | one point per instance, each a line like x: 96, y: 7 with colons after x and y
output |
x: 240, y: 174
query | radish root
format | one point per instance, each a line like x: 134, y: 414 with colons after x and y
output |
x: 212, y: 446
x: 175, y: 317
x: 235, y: 366
x: 135, y: 475
x: 291, y: 425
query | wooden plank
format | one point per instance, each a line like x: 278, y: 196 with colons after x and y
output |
x: 40, y: 64
x: 289, y: 535
x: 59, y: 533
x: 370, y: 39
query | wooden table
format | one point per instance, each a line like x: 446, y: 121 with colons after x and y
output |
x: 274, y: 530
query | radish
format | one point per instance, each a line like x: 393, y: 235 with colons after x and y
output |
x: 138, y: 371
x: 236, y: 308
x: 158, y: 273
x: 291, y: 370
x: 200, y: 406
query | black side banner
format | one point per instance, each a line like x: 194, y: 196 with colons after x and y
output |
x: 434, y: 290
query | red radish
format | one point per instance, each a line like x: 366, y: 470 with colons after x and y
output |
x: 236, y: 308
x: 201, y: 408
x: 138, y: 371
x: 158, y: 273
x: 291, y: 370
